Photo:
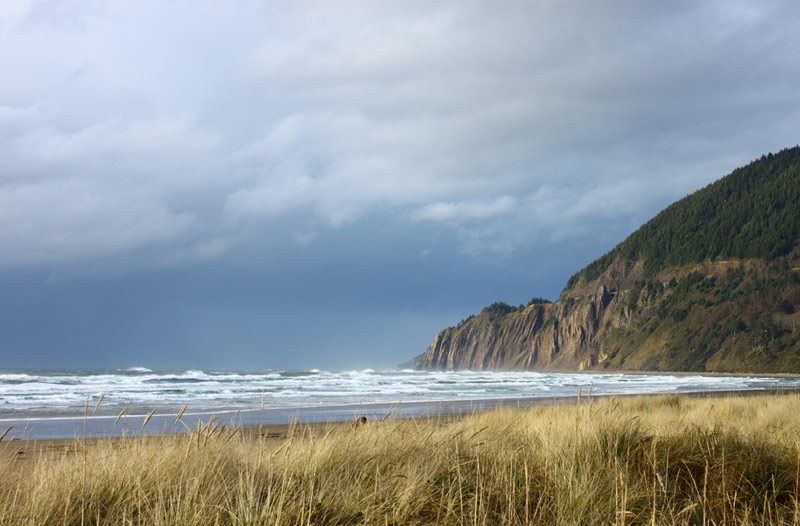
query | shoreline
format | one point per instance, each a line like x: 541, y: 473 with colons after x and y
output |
x: 344, y: 398
x: 29, y: 448
x: 720, y: 374
x: 231, y: 410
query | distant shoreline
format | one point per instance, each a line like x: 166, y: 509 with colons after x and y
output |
x: 721, y: 374
x: 147, y: 404
x: 445, y: 410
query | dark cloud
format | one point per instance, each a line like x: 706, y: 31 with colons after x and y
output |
x: 149, y: 138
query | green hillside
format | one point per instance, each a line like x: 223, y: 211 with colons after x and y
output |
x: 712, y: 283
x: 752, y: 213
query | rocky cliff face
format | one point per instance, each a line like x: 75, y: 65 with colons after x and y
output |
x: 684, y: 319
x: 562, y: 335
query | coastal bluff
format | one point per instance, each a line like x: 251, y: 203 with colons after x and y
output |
x: 711, y: 284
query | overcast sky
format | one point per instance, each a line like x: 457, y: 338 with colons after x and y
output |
x: 327, y: 184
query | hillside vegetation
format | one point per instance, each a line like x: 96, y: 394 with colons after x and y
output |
x: 712, y: 283
x: 752, y: 213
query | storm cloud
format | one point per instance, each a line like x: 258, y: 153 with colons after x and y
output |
x: 152, y: 136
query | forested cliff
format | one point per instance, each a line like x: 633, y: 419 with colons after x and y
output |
x: 712, y: 283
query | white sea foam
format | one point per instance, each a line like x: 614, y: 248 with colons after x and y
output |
x: 35, y: 393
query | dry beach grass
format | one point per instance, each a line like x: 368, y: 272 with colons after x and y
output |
x: 647, y: 460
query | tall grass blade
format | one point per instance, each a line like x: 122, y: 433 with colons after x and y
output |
x: 102, y: 395
x: 148, y: 417
x: 180, y: 414
x: 6, y: 432
x: 123, y: 412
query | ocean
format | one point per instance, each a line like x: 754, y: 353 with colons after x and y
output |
x: 63, y: 403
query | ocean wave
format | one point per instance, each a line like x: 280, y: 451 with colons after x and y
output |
x: 64, y: 392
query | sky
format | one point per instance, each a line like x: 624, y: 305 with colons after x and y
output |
x: 298, y: 184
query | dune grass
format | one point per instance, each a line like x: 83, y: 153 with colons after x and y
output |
x: 649, y: 460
